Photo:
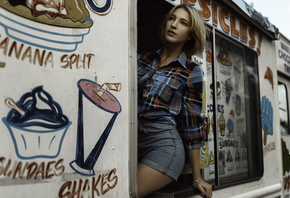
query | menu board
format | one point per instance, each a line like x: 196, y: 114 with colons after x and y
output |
x: 231, y: 116
x: 226, y: 93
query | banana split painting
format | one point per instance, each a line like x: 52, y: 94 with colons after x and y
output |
x: 58, y: 121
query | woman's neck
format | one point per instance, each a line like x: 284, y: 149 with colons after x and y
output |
x: 168, y: 55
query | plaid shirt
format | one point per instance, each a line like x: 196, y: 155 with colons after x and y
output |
x: 173, y: 96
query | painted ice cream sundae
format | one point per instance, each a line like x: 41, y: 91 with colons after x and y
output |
x: 224, y: 61
x: 36, y: 124
x: 51, y: 24
x: 66, y: 13
x: 229, y: 161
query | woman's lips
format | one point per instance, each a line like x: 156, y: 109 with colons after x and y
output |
x: 171, y: 32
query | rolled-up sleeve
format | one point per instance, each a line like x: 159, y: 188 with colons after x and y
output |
x: 189, y: 121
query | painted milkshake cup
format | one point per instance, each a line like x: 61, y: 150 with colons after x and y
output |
x: 104, y: 100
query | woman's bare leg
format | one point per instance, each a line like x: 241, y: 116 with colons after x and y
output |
x: 150, y: 180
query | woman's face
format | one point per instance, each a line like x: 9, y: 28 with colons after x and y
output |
x: 177, y: 28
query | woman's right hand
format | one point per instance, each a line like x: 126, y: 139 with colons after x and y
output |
x: 204, y: 188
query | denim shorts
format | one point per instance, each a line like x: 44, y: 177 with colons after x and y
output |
x: 160, y: 147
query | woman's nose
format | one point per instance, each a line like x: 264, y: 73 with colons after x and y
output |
x: 174, y: 24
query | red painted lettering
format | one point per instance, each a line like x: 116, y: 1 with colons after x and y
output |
x: 224, y: 14
x: 113, y: 179
x: 205, y: 12
x: 235, y: 32
x: 244, y: 34
x: 214, y: 14
x: 259, y: 44
x: 27, y: 54
x: 4, y: 45
x: 94, y: 186
x: 97, y: 186
x: 189, y: 1
x: 39, y: 57
x: 252, y: 42
x: 15, y: 48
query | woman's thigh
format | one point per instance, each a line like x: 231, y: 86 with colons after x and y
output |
x: 160, y: 148
x: 150, y: 180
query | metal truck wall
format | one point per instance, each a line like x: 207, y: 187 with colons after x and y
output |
x: 229, y: 24
x: 64, y: 98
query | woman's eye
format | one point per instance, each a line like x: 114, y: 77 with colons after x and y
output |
x: 184, y: 23
x: 171, y: 18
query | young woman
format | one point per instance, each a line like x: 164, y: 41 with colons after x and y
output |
x: 169, y: 104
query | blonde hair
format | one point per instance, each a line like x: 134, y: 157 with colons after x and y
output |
x: 197, y: 30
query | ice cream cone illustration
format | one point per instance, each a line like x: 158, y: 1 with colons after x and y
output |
x: 222, y: 124
x: 229, y: 161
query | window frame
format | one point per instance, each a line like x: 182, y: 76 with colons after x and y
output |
x: 287, y: 103
x: 260, y: 166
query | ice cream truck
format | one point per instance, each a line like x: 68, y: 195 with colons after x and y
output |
x: 68, y: 99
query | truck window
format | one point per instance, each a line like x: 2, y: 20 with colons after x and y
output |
x: 283, y: 108
x: 236, y: 143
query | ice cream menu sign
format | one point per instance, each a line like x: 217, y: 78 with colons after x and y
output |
x: 231, y: 117
x: 50, y: 98
x: 283, y: 54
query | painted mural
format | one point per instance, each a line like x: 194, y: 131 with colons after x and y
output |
x: 52, y: 76
x: 104, y: 100
x: 37, y: 130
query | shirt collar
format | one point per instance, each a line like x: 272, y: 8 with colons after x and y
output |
x: 181, y: 59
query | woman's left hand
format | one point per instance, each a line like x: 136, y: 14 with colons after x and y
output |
x: 204, y: 188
